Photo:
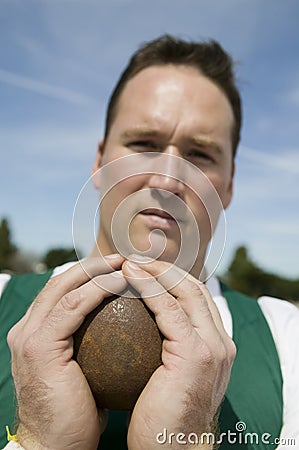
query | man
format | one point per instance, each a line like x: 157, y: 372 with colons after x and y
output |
x: 178, y: 101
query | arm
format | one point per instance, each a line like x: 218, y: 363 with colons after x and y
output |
x: 54, y: 400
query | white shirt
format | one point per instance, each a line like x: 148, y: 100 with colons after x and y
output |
x: 283, y: 320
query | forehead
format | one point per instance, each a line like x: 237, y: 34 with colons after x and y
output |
x: 174, y: 95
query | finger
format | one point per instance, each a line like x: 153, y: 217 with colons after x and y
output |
x: 192, y: 293
x: 193, y: 296
x: 69, y: 280
x: 170, y: 316
x: 70, y: 311
x: 183, y: 286
x: 196, y: 299
x: 214, y: 310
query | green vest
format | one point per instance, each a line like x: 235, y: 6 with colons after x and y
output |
x: 253, y: 397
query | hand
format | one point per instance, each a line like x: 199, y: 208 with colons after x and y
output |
x: 185, y: 392
x: 56, y: 409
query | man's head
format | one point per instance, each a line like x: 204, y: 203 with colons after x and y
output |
x: 208, y: 58
x: 184, y: 118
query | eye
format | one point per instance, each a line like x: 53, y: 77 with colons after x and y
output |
x: 199, y: 156
x: 143, y: 145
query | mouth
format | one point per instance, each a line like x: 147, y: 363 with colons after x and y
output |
x: 158, y: 218
x: 156, y: 212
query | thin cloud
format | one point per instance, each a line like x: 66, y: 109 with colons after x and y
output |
x: 293, y: 97
x: 45, y: 89
x: 286, y: 227
x: 50, y: 142
x: 288, y: 161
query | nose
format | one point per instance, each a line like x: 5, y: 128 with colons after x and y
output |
x: 168, y: 173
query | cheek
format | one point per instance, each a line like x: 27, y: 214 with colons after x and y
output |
x: 223, y: 187
x: 117, y: 193
x: 132, y: 184
x: 221, y: 180
x: 200, y: 210
x: 206, y: 203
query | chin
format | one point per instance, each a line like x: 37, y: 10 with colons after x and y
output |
x: 154, y: 246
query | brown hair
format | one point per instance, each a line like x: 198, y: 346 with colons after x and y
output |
x: 209, y: 58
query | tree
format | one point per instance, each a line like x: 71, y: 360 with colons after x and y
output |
x: 247, y: 277
x: 7, y: 249
x: 57, y: 256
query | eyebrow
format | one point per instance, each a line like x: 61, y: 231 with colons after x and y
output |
x: 206, y: 142
x: 139, y: 132
x: 144, y: 132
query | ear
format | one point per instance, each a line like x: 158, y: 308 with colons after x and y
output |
x: 95, y: 172
x: 230, y: 188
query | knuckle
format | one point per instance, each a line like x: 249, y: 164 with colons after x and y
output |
x: 207, y: 356
x: 197, y: 293
x: 226, y: 354
x: 52, y: 283
x: 14, y: 333
x: 71, y: 300
x: 222, y: 354
x: 214, y: 355
x: 30, y: 348
x: 203, y: 288
x: 11, y: 336
x: 221, y: 350
x: 183, y: 324
x: 202, y: 307
x: 202, y: 292
x: 176, y: 313
x: 195, y: 289
x: 172, y: 304
x: 231, y: 349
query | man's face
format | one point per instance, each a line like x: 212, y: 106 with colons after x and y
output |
x: 175, y: 111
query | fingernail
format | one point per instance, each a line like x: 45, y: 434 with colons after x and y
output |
x: 117, y: 274
x: 132, y: 265
x: 140, y: 258
x: 113, y: 256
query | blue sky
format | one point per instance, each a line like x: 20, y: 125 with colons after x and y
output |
x: 59, y: 60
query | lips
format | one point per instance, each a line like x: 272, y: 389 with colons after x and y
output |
x: 156, y: 212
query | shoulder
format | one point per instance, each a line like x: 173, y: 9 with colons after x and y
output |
x: 281, y: 315
x: 277, y: 306
x: 283, y: 319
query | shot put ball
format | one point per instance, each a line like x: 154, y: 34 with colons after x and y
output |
x: 118, y: 347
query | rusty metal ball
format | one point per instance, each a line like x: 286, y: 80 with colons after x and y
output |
x: 118, y: 347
